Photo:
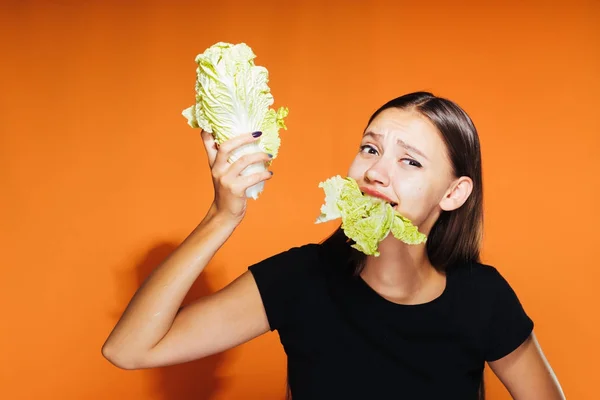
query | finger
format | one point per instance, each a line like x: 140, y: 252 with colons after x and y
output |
x: 246, y: 160
x: 211, y: 147
x: 242, y: 183
x: 230, y: 145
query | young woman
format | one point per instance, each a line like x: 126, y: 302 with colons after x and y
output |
x: 417, y: 322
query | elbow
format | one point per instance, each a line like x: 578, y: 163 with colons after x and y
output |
x: 120, y: 359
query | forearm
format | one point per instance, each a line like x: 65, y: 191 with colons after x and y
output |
x: 150, y: 313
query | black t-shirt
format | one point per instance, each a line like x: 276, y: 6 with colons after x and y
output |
x: 345, y: 341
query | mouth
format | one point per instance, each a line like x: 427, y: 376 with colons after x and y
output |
x: 379, y: 196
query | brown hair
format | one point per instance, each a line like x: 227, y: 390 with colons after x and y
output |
x: 456, y: 236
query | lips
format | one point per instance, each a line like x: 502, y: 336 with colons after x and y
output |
x: 375, y: 193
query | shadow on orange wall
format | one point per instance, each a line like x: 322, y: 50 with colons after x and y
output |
x: 197, y: 379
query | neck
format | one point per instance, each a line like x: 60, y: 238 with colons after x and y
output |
x: 402, y: 273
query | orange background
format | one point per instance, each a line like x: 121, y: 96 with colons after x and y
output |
x: 101, y: 177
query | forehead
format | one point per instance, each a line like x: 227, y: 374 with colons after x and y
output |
x: 412, y: 128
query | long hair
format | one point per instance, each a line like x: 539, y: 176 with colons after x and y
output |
x: 456, y: 236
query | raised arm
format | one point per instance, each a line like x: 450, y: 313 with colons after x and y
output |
x: 154, y: 330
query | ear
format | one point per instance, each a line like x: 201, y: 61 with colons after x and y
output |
x: 458, y: 192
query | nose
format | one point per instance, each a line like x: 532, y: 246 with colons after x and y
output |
x: 378, y: 173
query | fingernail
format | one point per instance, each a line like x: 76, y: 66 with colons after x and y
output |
x: 271, y: 172
x: 256, y: 134
x: 270, y: 155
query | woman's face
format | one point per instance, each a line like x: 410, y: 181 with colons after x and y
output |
x: 403, y: 159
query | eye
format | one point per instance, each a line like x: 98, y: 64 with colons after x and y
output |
x: 411, y: 162
x: 370, y: 149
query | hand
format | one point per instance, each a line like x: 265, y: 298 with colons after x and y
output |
x: 230, y: 187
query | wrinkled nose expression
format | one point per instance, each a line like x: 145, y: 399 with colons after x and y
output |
x: 402, y: 159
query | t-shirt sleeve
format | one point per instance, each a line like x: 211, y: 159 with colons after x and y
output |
x: 281, y: 279
x: 509, y: 325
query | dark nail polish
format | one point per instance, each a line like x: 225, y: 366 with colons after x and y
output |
x: 256, y: 134
x: 270, y: 155
x: 271, y: 172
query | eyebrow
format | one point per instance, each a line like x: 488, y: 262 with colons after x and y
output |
x: 399, y: 142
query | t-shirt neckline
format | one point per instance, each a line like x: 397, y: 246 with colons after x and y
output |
x: 372, y: 293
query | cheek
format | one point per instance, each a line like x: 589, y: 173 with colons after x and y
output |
x: 356, y: 170
x: 426, y: 188
x: 409, y: 190
x: 417, y: 199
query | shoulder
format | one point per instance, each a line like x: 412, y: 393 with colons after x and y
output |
x: 483, y: 289
x: 502, y: 319
x: 298, y: 256
x: 483, y: 279
x: 292, y: 264
x: 284, y: 281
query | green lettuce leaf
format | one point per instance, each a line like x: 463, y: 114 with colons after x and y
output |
x: 233, y: 98
x: 366, y: 220
x: 403, y: 229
